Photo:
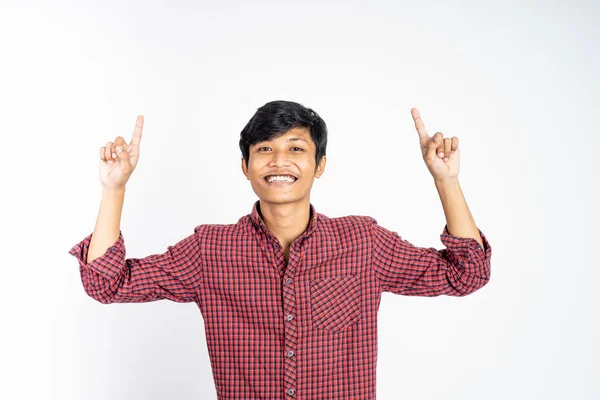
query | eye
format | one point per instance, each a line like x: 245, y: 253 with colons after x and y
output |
x: 264, y: 147
x: 299, y: 148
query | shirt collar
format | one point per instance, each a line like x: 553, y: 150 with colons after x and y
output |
x: 259, y: 223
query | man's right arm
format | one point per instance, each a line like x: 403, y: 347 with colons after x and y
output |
x: 107, y: 275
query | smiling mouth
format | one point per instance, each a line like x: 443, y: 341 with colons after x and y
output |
x: 280, y: 179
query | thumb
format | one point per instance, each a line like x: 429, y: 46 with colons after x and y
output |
x: 122, y: 154
x: 431, y: 148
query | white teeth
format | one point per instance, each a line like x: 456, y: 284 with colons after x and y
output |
x: 280, y: 178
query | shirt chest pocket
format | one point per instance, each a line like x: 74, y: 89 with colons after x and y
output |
x: 335, y: 302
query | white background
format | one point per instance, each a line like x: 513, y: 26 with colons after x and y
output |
x: 516, y: 82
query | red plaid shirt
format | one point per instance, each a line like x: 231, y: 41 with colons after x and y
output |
x: 305, y: 329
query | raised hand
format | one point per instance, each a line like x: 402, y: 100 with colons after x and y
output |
x: 442, y: 156
x: 118, y: 159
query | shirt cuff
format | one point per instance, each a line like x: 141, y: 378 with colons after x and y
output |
x: 467, y: 248
x: 109, y: 264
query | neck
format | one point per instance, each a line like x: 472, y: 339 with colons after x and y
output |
x: 286, y: 221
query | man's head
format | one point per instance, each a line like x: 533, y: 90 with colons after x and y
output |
x: 283, y: 138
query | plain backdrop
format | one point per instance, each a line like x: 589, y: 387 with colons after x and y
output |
x: 517, y: 82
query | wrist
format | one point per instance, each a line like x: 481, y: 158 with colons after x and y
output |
x: 113, y: 190
x: 446, y: 182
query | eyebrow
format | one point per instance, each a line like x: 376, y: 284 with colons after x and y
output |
x: 292, y: 139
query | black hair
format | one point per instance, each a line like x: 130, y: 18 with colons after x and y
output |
x: 276, y: 118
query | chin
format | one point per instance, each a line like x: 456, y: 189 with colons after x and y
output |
x: 283, y: 198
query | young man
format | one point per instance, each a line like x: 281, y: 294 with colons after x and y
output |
x: 289, y: 297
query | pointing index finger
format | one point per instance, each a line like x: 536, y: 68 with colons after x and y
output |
x: 137, y: 132
x: 419, y: 123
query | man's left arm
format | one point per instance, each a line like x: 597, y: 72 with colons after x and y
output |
x: 464, y: 266
x: 442, y: 158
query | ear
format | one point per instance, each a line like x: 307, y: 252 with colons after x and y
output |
x: 244, y: 169
x: 321, y: 168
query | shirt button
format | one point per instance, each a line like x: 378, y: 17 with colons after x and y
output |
x: 291, y: 392
x: 288, y: 280
x: 289, y: 317
x: 290, y: 353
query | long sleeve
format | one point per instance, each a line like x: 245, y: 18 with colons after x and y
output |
x: 402, y: 268
x: 172, y: 275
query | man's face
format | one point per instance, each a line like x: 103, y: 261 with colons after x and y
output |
x: 290, y: 160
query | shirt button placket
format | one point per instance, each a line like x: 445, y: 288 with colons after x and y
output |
x: 291, y: 331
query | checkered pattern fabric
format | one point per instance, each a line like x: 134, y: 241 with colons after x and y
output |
x: 305, y: 328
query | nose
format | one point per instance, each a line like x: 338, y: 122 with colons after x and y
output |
x: 279, y: 159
